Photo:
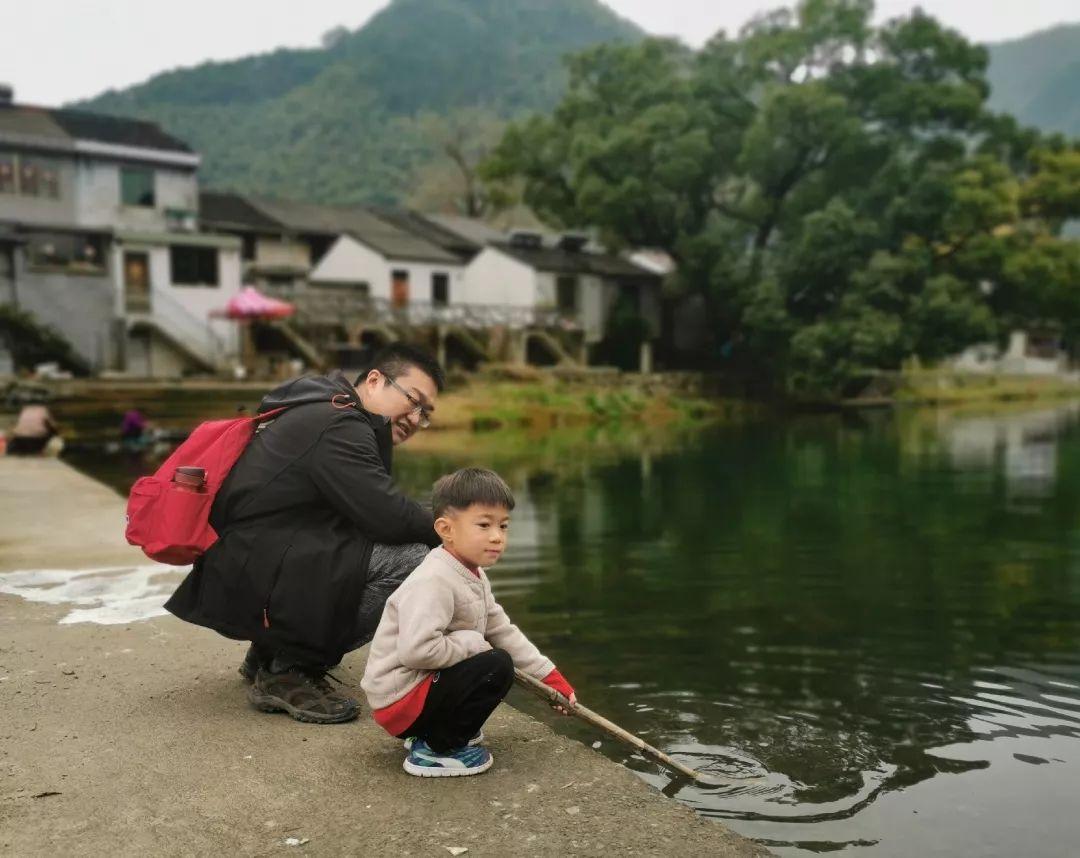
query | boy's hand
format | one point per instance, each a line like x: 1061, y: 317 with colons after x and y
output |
x: 558, y: 682
x: 562, y: 710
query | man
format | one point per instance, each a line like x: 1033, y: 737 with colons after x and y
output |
x: 313, y: 534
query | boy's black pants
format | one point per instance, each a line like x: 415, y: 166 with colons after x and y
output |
x: 461, y: 698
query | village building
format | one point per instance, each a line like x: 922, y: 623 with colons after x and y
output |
x: 99, y: 239
x: 105, y: 235
x: 567, y: 283
x: 274, y: 256
x: 394, y: 267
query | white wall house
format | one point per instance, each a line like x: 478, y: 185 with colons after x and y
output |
x: 496, y: 277
x: 397, y: 279
x: 104, y: 213
x: 1027, y: 354
x: 169, y: 288
x: 566, y: 280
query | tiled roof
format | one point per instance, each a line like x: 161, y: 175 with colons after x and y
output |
x: 60, y: 124
x: 387, y: 239
x: 225, y: 210
x: 32, y: 122
x: 431, y: 231
x: 120, y: 131
x: 560, y: 261
x: 473, y: 230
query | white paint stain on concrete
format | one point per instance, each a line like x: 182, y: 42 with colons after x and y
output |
x: 107, y: 595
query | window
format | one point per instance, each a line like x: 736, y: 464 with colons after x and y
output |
x: 28, y: 179
x: 566, y: 293
x: 7, y: 173
x: 29, y: 175
x: 49, y: 180
x: 38, y: 177
x: 440, y: 289
x: 137, y: 187
x: 76, y: 252
x: 318, y: 245
x: 247, y: 246
x: 194, y: 266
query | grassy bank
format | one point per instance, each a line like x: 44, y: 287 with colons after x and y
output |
x: 937, y: 387
x: 548, y: 401
x: 500, y: 398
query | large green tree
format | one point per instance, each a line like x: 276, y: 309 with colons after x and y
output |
x: 837, y: 192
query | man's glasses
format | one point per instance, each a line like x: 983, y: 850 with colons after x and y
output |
x: 418, y: 406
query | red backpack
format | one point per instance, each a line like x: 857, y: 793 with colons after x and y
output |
x: 170, y: 520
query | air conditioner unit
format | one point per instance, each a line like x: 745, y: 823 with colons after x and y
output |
x: 181, y: 220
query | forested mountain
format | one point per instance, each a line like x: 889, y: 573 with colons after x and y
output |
x: 369, y: 116
x: 1037, y: 78
x: 359, y: 118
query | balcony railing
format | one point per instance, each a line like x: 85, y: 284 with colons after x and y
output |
x: 317, y: 307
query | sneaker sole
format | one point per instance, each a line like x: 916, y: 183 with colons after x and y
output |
x: 269, y: 703
x: 426, y: 772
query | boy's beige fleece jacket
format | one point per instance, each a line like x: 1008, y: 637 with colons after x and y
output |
x: 440, y: 615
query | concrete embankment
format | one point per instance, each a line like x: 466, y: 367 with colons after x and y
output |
x: 135, y: 737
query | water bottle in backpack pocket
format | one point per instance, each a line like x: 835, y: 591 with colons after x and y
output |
x: 170, y: 519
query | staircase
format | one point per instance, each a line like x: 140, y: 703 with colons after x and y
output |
x: 180, y: 328
x: 553, y: 346
x: 302, y: 345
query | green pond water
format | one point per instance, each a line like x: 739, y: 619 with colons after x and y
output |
x: 870, y: 624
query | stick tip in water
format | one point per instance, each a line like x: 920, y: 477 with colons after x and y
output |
x: 709, y: 780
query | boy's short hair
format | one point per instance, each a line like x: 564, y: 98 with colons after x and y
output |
x: 463, y: 488
x: 397, y: 358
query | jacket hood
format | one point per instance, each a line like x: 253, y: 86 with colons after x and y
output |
x: 309, y: 388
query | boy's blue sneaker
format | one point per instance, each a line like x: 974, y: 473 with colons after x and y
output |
x: 478, y: 739
x: 426, y: 763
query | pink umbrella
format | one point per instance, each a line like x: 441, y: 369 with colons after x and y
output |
x: 250, y: 303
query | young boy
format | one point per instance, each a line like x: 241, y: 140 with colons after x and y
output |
x: 444, y: 654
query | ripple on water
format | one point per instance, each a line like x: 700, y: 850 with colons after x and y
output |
x: 994, y: 704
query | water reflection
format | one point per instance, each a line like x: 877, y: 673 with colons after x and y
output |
x: 840, y: 606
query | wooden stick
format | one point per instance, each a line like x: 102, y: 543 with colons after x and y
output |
x: 552, y: 696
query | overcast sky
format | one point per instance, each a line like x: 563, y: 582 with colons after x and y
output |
x: 55, y: 51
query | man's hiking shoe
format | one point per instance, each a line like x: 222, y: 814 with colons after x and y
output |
x: 250, y: 665
x: 478, y: 739
x: 306, y: 694
x: 426, y: 763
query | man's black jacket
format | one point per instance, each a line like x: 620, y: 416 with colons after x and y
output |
x: 296, y: 519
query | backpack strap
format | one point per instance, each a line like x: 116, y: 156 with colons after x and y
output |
x: 269, y: 415
x: 266, y: 417
x: 338, y: 400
